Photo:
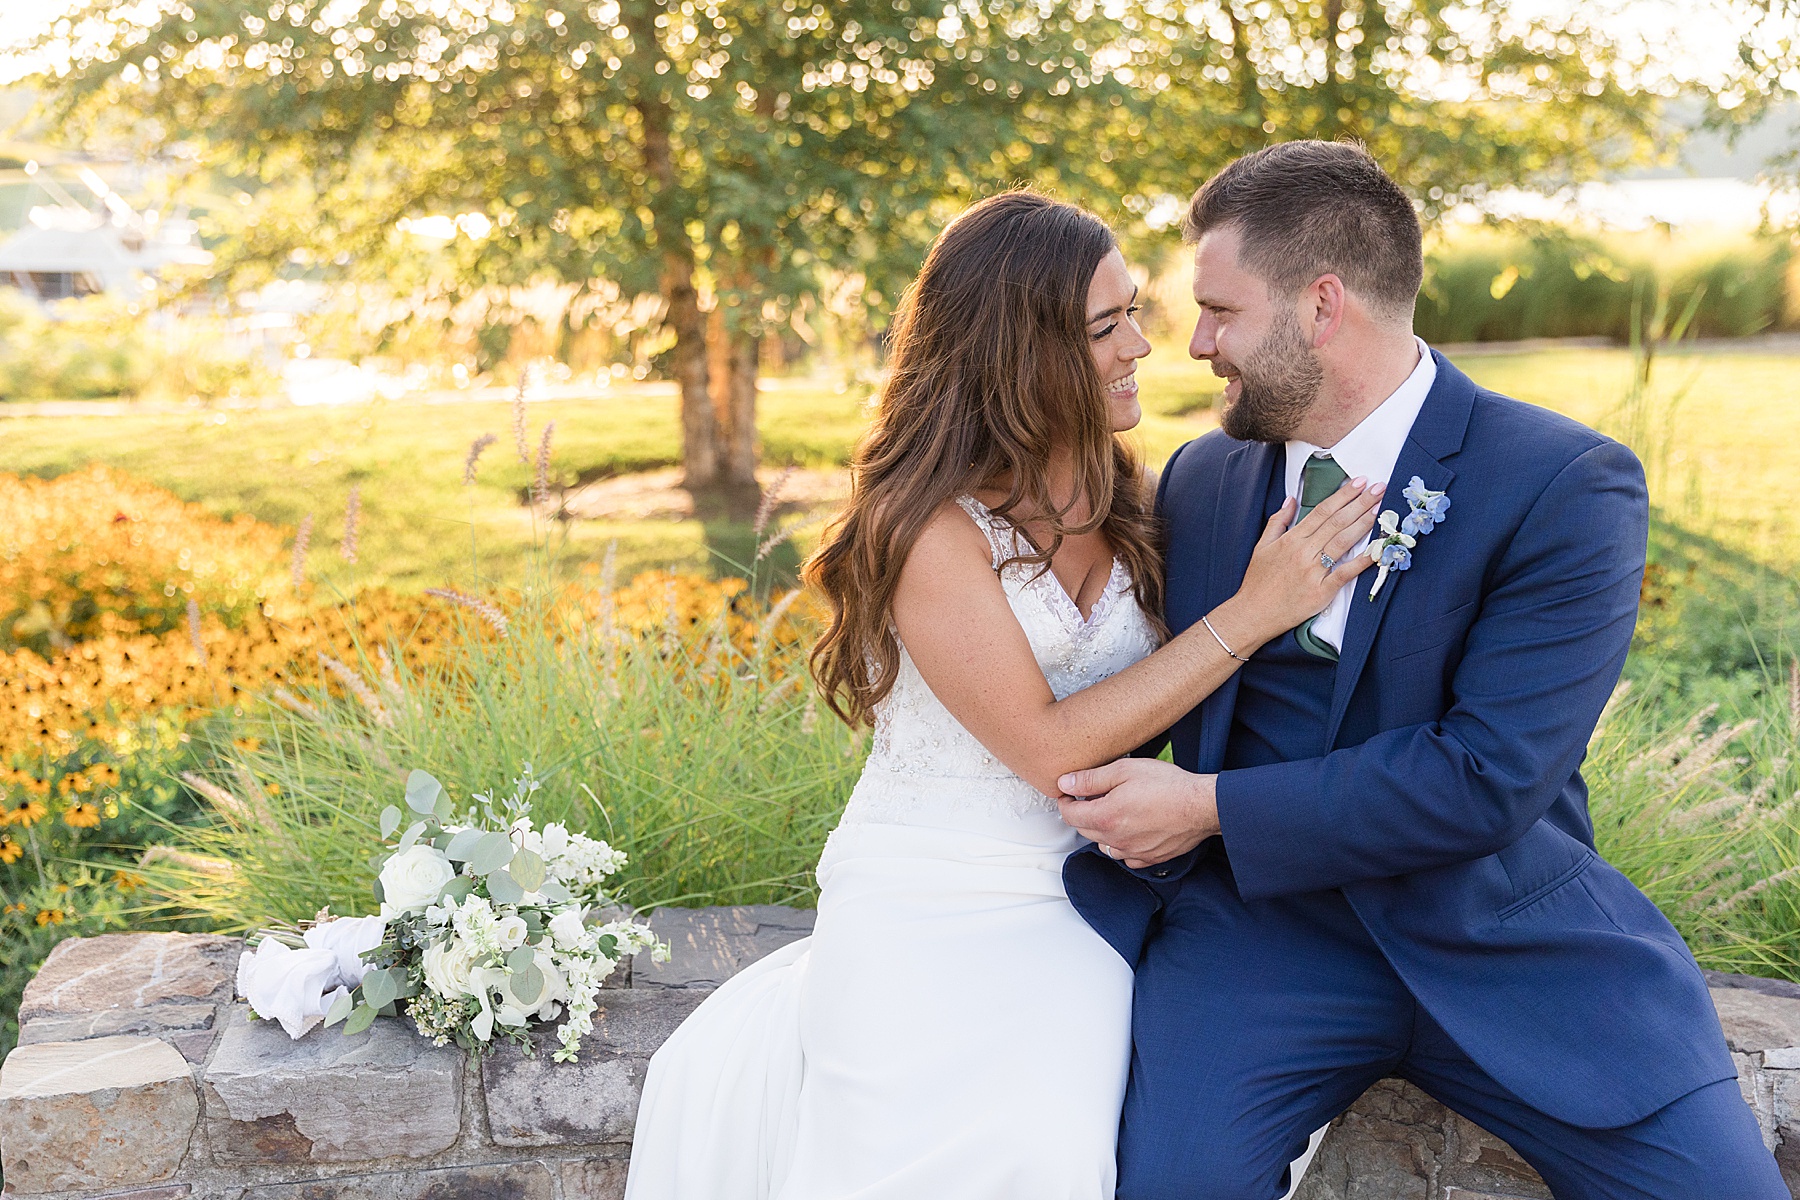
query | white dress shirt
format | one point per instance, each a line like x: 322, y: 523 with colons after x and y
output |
x: 1369, y: 450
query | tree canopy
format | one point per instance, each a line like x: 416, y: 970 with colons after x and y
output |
x: 724, y: 155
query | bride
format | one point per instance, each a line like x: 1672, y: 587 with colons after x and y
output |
x: 953, y: 1030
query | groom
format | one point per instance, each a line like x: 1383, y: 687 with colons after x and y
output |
x: 1372, y: 855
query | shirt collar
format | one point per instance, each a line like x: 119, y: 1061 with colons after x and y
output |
x: 1373, y: 447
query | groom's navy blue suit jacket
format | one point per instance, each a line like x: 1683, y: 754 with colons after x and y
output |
x: 1449, y: 809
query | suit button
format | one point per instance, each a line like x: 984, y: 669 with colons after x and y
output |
x: 1161, y: 872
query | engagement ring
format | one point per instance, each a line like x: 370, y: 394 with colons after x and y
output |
x: 1329, y: 562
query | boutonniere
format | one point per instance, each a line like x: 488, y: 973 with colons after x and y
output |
x: 1392, y: 550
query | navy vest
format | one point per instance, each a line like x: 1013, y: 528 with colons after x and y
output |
x: 1284, y: 693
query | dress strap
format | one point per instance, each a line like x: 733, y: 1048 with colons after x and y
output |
x: 1002, y: 538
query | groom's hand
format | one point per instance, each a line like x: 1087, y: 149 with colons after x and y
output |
x: 1142, y: 811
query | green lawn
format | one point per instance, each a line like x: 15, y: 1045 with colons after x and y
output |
x: 422, y: 527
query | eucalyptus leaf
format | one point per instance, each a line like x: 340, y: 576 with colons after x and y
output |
x: 519, y: 959
x: 409, y: 837
x: 422, y: 792
x: 379, y: 988
x: 527, y: 867
x: 390, y: 821
x: 504, y: 888
x: 457, y: 889
x: 443, y: 809
x: 340, y: 1008
x: 380, y: 892
x: 361, y: 1019
x: 462, y: 844
x: 528, y: 984
x: 491, y: 852
x: 555, y: 892
x: 440, y: 841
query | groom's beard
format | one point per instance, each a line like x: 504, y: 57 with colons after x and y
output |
x: 1277, y: 383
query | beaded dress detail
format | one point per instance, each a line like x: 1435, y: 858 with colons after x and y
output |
x: 923, y: 761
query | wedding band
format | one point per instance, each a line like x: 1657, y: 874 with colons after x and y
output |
x: 1328, y: 562
x: 1112, y: 853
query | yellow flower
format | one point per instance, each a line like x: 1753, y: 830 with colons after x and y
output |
x: 25, y: 813
x: 49, y: 916
x: 10, y: 851
x: 125, y: 881
x: 81, y: 816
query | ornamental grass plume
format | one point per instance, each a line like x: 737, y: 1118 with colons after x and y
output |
x: 540, y: 484
x: 1700, y: 813
x: 476, y: 448
x: 518, y: 417
x: 352, y: 515
x: 359, y: 687
x: 488, y: 612
x: 302, y: 543
x: 193, y: 624
x: 770, y: 498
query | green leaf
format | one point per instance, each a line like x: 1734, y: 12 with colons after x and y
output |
x: 457, y: 888
x: 528, y: 984
x: 340, y: 1008
x: 504, y: 888
x: 528, y: 868
x: 390, y: 821
x: 443, y: 809
x: 361, y: 1019
x: 534, y: 920
x: 491, y: 852
x: 440, y: 841
x: 519, y: 959
x: 462, y: 844
x: 409, y: 837
x: 380, y: 892
x: 555, y: 892
x: 380, y: 988
x: 422, y: 792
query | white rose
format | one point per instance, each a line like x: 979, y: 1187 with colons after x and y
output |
x: 567, y: 929
x: 413, y: 879
x: 511, y: 932
x: 449, y: 963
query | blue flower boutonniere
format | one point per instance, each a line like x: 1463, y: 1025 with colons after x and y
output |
x: 1392, y: 549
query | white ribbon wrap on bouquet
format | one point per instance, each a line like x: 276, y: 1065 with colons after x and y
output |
x: 298, y: 987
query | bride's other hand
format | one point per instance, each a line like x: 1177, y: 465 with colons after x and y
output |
x: 1140, y: 811
x: 1287, y: 580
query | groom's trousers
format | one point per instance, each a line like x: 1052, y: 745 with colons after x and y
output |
x: 1289, y: 1012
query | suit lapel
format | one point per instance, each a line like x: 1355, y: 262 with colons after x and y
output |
x: 1437, y: 434
x: 1243, y: 486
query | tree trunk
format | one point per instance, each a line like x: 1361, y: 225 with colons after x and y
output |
x: 743, y: 347
x: 700, y: 450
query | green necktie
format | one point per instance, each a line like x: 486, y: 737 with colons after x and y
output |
x: 1319, y: 478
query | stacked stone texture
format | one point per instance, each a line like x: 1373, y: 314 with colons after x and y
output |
x: 138, y: 1076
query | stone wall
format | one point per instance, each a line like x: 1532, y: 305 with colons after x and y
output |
x: 139, y: 1077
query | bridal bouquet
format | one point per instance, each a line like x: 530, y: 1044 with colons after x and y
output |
x: 487, y: 923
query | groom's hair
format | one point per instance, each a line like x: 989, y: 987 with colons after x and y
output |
x: 1306, y: 209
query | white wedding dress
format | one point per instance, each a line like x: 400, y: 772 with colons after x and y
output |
x: 953, y: 1030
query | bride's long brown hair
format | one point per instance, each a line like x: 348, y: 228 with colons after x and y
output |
x: 990, y: 371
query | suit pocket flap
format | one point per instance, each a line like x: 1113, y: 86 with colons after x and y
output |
x: 1401, y: 640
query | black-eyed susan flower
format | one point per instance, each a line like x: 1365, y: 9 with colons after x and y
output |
x: 81, y: 816
x: 10, y: 851
x: 24, y: 813
x: 50, y: 916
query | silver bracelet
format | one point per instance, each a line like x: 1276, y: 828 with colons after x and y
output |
x: 1221, y: 641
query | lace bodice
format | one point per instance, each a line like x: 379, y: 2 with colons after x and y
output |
x: 923, y: 761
